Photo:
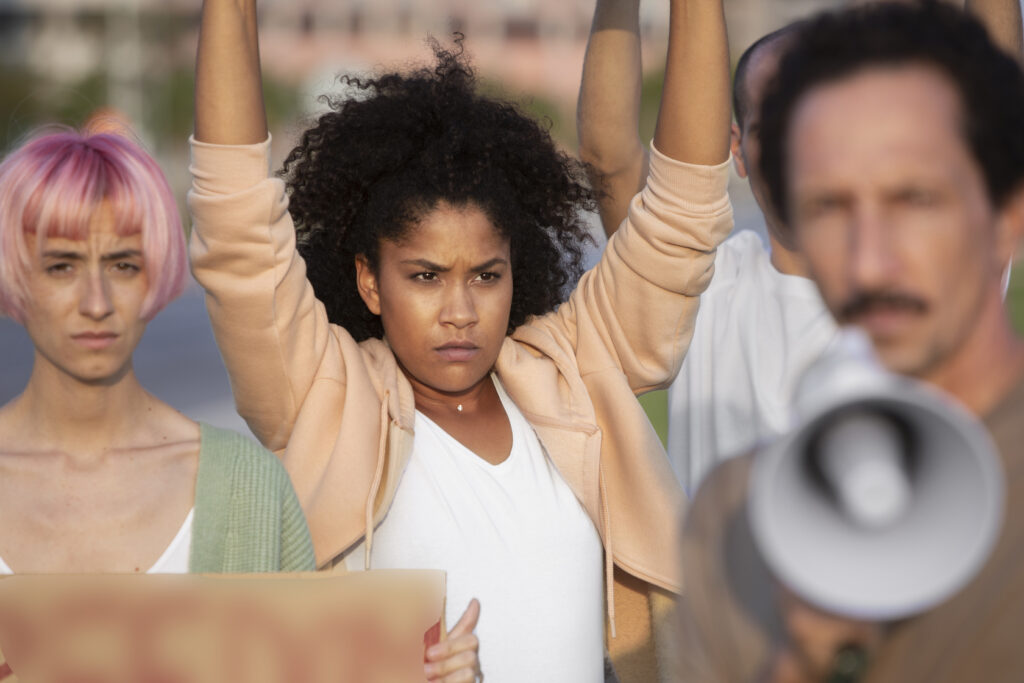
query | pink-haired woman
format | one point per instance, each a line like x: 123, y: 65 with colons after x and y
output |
x: 96, y: 474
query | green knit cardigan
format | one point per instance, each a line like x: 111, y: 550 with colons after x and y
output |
x: 247, y: 518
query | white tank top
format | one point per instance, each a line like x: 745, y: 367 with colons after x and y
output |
x: 512, y: 535
x: 174, y: 559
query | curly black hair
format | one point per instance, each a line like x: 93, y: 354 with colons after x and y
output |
x: 403, y: 142
x: 839, y: 44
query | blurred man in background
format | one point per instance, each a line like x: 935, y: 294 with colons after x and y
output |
x: 892, y: 146
x: 762, y: 321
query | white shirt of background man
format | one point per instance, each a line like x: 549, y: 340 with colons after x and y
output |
x: 756, y: 332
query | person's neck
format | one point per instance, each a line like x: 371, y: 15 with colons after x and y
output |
x: 786, y: 261
x: 989, y: 364
x: 65, y: 414
x: 481, y: 397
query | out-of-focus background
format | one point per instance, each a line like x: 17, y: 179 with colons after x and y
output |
x: 64, y: 61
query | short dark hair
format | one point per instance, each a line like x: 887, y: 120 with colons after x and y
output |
x: 835, y: 45
x: 740, y: 93
x: 394, y: 147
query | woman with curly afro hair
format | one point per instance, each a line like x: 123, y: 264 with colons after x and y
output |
x: 392, y: 313
x: 379, y: 161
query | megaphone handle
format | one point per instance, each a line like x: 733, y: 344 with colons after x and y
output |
x: 849, y: 664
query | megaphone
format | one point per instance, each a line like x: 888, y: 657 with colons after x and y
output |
x: 884, y: 501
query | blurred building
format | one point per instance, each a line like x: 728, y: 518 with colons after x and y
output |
x: 532, y: 45
x: 136, y: 57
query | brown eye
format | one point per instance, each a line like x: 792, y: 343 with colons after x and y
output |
x: 916, y: 196
x: 821, y: 207
x: 825, y: 205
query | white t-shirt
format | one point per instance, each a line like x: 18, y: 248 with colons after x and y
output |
x: 756, y: 332
x: 512, y: 535
x: 174, y: 559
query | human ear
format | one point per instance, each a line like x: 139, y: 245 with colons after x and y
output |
x: 735, y: 138
x: 366, y: 282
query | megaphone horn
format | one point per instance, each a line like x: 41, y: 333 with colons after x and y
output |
x: 885, y: 500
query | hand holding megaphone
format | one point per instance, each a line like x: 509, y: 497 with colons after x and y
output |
x: 884, y: 500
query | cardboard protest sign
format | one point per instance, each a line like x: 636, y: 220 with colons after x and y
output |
x: 364, y: 627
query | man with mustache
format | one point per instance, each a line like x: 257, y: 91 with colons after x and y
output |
x: 892, y: 146
x: 761, y: 320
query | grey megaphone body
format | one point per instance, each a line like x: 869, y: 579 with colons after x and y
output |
x: 885, y: 499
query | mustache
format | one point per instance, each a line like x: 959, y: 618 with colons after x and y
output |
x: 865, y: 302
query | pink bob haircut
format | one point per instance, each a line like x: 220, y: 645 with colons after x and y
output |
x: 53, y: 184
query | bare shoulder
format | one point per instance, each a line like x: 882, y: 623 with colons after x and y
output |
x: 163, y: 425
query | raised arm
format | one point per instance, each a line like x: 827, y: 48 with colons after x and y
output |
x: 608, y: 109
x: 636, y: 308
x: 271, y: 330
x: 695, y: 114
x: 229, y: 92
x: 1002, y: 18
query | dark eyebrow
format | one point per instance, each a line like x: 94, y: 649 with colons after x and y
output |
x: 123, y: 254
x: 426, y: 265
x: 487, y: 265
x: 63, y: 255
x: 77, y: 256
x: 430, y: 265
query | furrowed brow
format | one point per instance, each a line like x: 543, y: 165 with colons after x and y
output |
x: 487, y: 265
x: 123, y: 254
x: 427, y: 265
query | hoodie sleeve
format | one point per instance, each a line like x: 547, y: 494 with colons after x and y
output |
x: 635, y: 309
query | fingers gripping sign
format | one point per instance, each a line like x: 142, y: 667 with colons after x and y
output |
x: 455, y: 660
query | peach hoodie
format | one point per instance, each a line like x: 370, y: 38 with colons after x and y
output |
x: 340, y: 414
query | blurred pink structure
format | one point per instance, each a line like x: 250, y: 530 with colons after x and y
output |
x: 529, y: 45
